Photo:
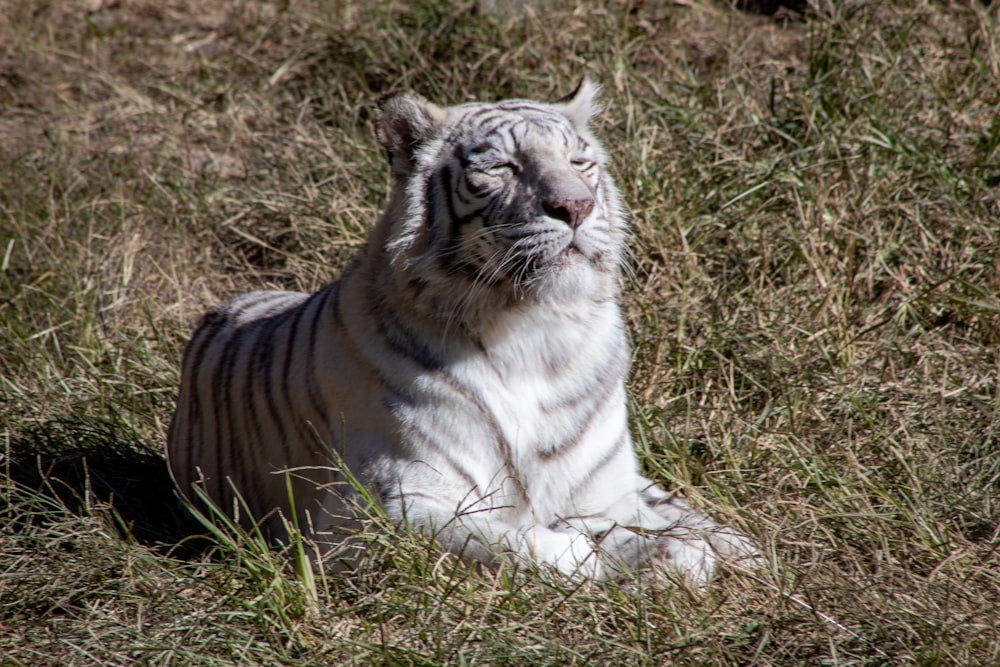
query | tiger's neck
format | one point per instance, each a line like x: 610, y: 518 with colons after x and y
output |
x: 526, y: 338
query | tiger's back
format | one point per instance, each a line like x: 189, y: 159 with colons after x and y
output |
x: 468, y: 367
x: 232, y: 429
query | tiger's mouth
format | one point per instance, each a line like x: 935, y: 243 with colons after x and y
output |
x: 538, y: 254
x: 572, y: 256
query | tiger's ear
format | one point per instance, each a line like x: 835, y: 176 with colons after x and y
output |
x: 581, y: 105
x: 405, y: 121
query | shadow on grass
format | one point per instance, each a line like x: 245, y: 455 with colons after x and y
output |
x: 78, y: 463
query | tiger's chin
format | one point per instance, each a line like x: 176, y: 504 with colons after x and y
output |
x: 567, y: 277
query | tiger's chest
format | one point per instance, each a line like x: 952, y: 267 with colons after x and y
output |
x: 551, y: 402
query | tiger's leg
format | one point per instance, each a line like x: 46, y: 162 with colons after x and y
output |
x: 638, y: 537
x: 693, y: 532
x: 651, y: 527
x: 482, y: 535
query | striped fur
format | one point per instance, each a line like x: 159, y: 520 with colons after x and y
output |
x: 468, y: 367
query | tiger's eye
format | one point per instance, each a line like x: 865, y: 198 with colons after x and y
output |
x: 503, y: 169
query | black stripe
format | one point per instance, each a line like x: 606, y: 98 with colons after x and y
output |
x: 259, y: 380
x: 212, y: 324
x: 614, y: 451
x: 223, y: 395
x: 501, y: 128
x: 612, y: 372
x: 221, y: 383
x: 462, y: 154
x: 396, y: 396
x: 462, y: 189
x: 414, y: 432
x: 417, y: 284
x: 475, y: 193
x: 286, y: 386
x: 493, y: 205
x: 518, y: 126
x: 400, y: 340
x: 276, y: 380
x: 450, y: 256
x: 315, y: 397
x: 194, y: 355
x: 572, y: 442
x: 503, y: 445
x: 417, y: 352
x: 250, y: 441
x: 447, y: 183
x: 430, y: 205
x: 526, y: 105
x: 600, y: 384
x: 480, y: 115
x: 245, y: 436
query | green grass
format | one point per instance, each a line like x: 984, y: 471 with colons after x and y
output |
x: 813, y: 300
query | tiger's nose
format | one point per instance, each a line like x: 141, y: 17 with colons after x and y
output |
x: 572, y: 211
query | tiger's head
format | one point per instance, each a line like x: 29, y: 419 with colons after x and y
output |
x: 512, y: 198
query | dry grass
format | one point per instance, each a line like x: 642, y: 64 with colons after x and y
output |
x: 814, y: 307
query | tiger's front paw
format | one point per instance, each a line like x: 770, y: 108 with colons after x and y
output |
x: 695, y: 545
x: 686, y: 555
x: 569, y: 552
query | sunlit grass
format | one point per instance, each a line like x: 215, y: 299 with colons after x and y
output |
x: 812, y: 299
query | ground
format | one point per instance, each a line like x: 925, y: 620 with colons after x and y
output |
x: 812, y: 298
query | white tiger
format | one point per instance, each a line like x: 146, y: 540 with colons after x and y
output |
x: 468, y: 367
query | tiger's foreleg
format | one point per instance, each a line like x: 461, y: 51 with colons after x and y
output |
x: 650, y: 528
x: 483, y: 535
x: 693, y: 542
